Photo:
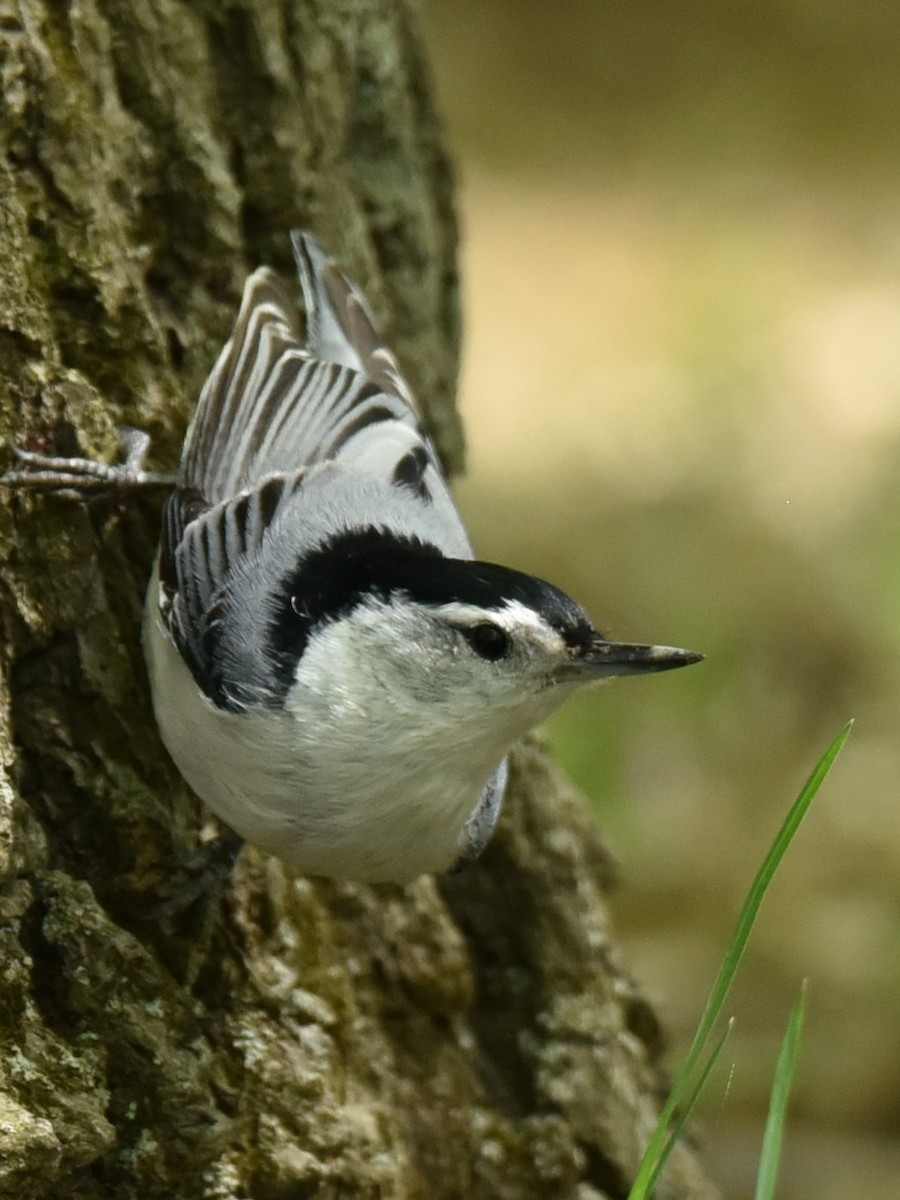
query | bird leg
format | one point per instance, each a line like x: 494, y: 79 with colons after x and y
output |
x: 77, y: 476
x: 206, y: 876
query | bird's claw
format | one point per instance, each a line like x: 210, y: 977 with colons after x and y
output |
x: 77, y: 476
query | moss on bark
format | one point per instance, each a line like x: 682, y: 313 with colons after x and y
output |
x: 472, y: 1037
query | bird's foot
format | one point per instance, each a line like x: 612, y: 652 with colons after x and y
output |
x: 77, y: 476
x: 205, y: 877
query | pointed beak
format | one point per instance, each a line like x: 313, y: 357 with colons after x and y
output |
x: 601, y: 659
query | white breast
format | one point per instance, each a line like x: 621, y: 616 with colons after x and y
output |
x: 367, y: 805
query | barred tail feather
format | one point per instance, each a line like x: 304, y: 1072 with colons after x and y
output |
x: 340, y: 324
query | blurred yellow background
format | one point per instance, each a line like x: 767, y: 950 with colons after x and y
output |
x: 681, y: 390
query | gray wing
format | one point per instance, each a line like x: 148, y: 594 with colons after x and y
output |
x: 271, y: 410
x: 270, y: 405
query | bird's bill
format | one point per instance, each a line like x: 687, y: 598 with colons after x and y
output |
x: 603, y: 659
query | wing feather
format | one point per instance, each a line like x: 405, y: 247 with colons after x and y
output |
x: 195, y: 570
x: 272, y: 409
x: 272, y: 405
x: 340, y: 324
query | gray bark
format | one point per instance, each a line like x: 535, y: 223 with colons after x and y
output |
x: 473, y: 1037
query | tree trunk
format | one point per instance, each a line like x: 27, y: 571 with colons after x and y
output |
x: 472, y: 1037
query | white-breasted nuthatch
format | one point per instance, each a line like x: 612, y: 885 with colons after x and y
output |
x: 332, y: 671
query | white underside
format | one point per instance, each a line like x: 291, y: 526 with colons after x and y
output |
x: 368, y: 808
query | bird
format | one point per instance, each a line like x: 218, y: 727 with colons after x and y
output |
x: 332, y: 670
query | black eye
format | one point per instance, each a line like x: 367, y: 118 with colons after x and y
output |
x: 487, y: 640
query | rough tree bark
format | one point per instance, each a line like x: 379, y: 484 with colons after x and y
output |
x: 473, y: 1037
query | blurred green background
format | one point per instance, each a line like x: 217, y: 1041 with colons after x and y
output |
x: 682, y: 395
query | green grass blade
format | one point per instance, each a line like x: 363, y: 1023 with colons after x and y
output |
x: 684, y: 1113
x: 732, y: 960
x: 750, y: 910
x: 770, y: 1157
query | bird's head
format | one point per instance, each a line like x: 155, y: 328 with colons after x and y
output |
x: 449, y: 648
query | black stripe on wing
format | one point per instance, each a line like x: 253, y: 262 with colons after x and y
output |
x: 266, y: 333
x: 268, y: 408
x: 183, y: 506
x: 201, y: 545
x: 410, y: 471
